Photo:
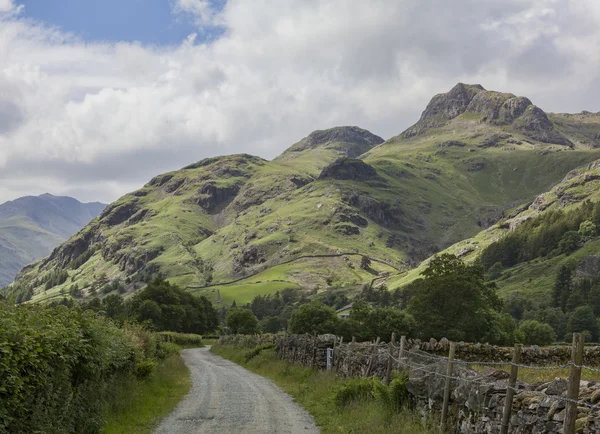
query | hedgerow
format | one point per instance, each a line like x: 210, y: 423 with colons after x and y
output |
x: 58, y: 367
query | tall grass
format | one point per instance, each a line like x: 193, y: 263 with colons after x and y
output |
x: 183, y: 339
x: 137, y: 407
x: 319, y: 393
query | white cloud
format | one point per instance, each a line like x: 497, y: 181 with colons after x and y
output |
x: 97, y: 119
x: 203, y: 11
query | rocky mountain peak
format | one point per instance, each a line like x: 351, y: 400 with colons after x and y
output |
x: 453, y: 103
x: 495, y: 108
x: 352, y: 141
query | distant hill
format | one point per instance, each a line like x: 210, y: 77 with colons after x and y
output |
x: 267, y: 225
x: 31, y: 227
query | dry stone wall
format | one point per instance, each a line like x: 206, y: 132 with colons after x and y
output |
x: 477, y: 399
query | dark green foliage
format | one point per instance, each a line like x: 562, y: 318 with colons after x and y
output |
x: 367, y: 322
x: 271, y: 324
x: 355, y: 389
x: 569, y: 242
x: 181, y: 338
x: 536, y: 333
x: 312, y: 318
x: 55, y: 278
x: 453, y: 300
x: 392, y: 397
x: 583, y: 319
x: 252, y: 353
x: 82, y: 259
x: 495, y: 271
x: 562, y: 288
x: 365, y: 263
x: 552, y: 233
x: 516, y: 305
x: 241, y: 321
x: 58, y: 367
x: 552, y: 316
x: 168, y: 307
x: 115, y: 285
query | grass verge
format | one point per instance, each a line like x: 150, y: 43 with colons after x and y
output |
x: 316, y: 392
x: 139, y: 405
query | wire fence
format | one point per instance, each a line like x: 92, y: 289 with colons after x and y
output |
x: 418, y: 362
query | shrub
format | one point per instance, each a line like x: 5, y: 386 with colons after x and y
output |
x: 355, y: 389
x: 242, y: 321
x: 56, y: 367
x: 537, y: 333
x: 181, y: 338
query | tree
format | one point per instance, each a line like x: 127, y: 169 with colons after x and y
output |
x: 149, y: 310
x: 367, y: 322
x: 241, y: 321
x: 594, y: 299
x: 537, y: 333
x: 555, y: 317
x: 562, y: 288
x: 569, y: 242
x: 313, y: 317
x: 575, y: 300
x: 270, y: 324
x: 583, y: 319
x: 365, y: 263
x: 495, y: 271
x: 453, y: 300
x: 587, y: 230
x: 180, y: 311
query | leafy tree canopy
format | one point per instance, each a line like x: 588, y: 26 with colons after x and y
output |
x: 453, y: 300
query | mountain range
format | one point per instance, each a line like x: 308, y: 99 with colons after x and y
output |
x: 236, y: 226
x: 31, y: 227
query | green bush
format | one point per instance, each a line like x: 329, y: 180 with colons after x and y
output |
x: 355, y: 389
x: 537, y: 333
x: 250, y: 354
x: 184, y: 339
x: 59, y: 367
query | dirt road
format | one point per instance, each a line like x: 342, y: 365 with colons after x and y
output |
x: 227, y: 399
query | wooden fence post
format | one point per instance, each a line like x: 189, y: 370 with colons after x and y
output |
x: 388, y: 373
x: 510, y: 390
x: 574, y: 380
x: 373, y: 355
x: 402, y: 347
x: 447, y: 386
x: 315, y: 349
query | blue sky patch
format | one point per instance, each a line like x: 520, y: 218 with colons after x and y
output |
x: 146, y: 21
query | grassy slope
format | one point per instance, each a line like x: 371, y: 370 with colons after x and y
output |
x: 139, y: 406
x: 535, y: 278
x: 315, y: 390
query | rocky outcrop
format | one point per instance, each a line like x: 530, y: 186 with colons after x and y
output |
x: 119, y: 212
x: 588, y: 267
x: 251, y: 255
x: 349, y: 169
x: 536, y: 125
x: 347, y: 229
x: 213, y: 197
x: 451, y: 104
x: 361, y: 141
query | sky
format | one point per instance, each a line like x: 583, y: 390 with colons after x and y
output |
x: 99, y: 96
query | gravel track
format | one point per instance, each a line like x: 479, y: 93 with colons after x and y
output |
x: 226, y: 398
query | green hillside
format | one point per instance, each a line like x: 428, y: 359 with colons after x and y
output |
x: 240, y: 225
x: 536, y: 230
